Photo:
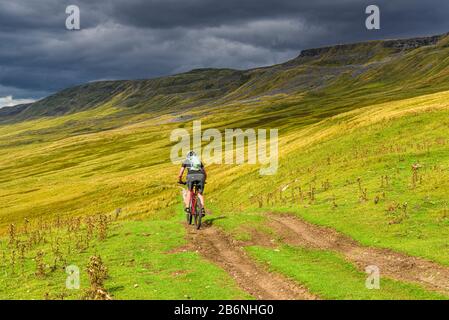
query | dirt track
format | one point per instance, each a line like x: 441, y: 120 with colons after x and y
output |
x: 229, y: 254
x: 261, y: 284
x: 392, y: 264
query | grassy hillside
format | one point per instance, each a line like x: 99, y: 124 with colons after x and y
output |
x: 363, y: 150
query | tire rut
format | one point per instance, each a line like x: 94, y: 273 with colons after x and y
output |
x: 295, y: 231
x: 215, y: 246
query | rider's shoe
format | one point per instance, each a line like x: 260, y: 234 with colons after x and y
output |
x: 187, y: 210
x: 203, y: 212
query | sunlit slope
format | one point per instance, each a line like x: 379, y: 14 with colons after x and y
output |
x: 359, y: 167
x: 129, y: 168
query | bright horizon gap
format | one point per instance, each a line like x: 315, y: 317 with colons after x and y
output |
x: 9, y: 101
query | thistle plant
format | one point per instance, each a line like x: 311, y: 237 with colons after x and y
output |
x: 40, y: 266
x: 98, y: 273
x: 102, y: 226
x: 12, y: 234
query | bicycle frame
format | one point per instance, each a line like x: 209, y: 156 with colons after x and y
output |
x: 193, y: 200
x: 193, y: 204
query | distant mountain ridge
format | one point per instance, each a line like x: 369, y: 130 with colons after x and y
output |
x: 398, y: 44
x: 314, y: 70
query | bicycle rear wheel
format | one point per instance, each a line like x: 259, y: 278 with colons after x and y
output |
x: 198, y: 215
x: 189, y: 217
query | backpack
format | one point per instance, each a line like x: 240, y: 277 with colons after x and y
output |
x: 195, y: 163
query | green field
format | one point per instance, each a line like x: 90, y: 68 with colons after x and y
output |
x: 350, y: 132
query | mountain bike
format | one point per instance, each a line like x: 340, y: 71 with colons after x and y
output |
x: 195, y: 207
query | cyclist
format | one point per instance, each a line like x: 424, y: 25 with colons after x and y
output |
x: 196, y: 174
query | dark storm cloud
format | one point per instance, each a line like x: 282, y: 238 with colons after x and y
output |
x: 344, y: 19
x: 125, y: 39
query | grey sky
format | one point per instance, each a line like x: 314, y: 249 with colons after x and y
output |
x: 130, y: 39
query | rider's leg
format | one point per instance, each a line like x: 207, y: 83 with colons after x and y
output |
x: 200, y: 195
x: 187, y: 199
x: 186, y: 196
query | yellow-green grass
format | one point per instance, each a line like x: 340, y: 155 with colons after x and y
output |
x: 129, y: 168
x: 365, y: 145
x: 49, y: 168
